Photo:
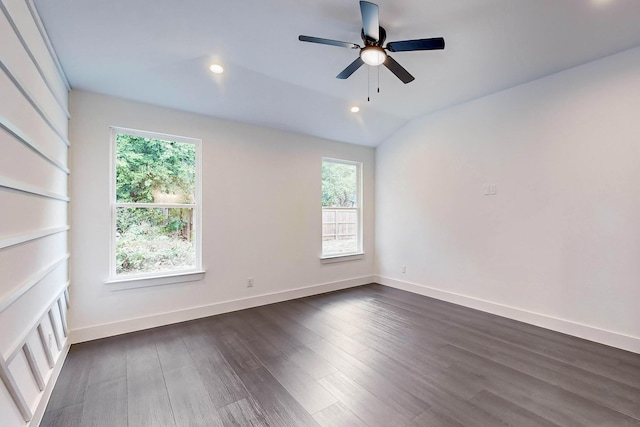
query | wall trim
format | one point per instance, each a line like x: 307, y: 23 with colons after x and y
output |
x: 12, y: 130
x: 27, y: 237
x: 46, y: 313
x: 591, y: 333
x: 14, y: 391
x: 34, y: 104
x: 30, y: 282
x: 29, y: 189
x: 29, y: 53
x: 47, y: 41
x: 51, y: 383
x: 140, y: 323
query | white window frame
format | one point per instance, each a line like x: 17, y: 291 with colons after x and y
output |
x: 155, y: 278
x: 359, y: 253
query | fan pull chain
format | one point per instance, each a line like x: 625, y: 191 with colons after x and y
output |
x: 368, y: 83
x: 378, y: 78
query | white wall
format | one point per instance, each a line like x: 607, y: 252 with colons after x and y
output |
x: 559, y: 244
x: 33, y: 216
x: 261, y: 218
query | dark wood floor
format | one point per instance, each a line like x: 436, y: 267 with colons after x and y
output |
x: 368, y: 356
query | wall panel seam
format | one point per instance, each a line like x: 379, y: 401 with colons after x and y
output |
x: 33, y: 103
x: 30, y: 283
x: 45, y: 37
x: 12, y: 130
x: 25, y: 188
x: 27, y: 49
x: 27, y: 237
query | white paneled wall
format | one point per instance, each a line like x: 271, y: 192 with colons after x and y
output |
x: 33, y: 215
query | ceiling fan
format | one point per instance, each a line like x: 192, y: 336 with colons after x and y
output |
x: 373, y: 52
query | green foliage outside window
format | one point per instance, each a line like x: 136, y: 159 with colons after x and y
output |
x: 339, y: 185
x: 144, y: 165
x: 154, y: 171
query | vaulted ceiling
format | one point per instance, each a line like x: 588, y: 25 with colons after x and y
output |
x: 158, y: 51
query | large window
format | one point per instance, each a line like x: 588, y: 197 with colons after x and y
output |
x: 341, y: 208
x: 155, y: 204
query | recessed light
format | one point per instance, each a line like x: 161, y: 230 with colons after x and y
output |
x: 355, y: 109
x: 215, y: 68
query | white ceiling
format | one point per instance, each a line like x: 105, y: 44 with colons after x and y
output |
x: 158, y: 51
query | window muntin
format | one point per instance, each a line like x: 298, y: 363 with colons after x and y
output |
x: 341, y: 208
x: 155, y: 204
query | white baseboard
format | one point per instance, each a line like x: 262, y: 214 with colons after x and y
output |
x: 137, y: 324
x: 579, y: 330
x: 46, y: 394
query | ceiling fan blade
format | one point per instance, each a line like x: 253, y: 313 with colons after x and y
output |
x: 351, y: 68
x: 420, y: 44
x: 370, y: 20
x: 398, y: 70
x: 327, y: 41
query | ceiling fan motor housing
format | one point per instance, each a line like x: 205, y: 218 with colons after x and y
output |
x: 368, y: 41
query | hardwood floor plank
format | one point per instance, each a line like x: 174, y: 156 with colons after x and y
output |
x: 142, y: 356
x: 509, y: 413
x: 172, y: 352
x: 220, y: 380
x: 69, y: 416
x: 106, y: 404
x: 274, y: 314
x: 148, y: 401
x: 278, y: 406
x: 420, y: 383
x: 611, y: 393
x: 269, y: 335
x: 389, y: 391
x: 314, y: 365
x: 190, y: 401
x: 432, y: 418
x: 558, y: 405
x: 232, y: 347
x: 338, y: 415
x: 72, y: 381
x: 366, y: 406
x: 302, y: 311
x: 306, y: 390
x: 262, y: 341
x: 243, y: 413
x: 147, y: 397
x: 111, y: 363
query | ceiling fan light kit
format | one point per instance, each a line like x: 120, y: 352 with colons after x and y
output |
x: 373, y: 55
x: 373, y: 52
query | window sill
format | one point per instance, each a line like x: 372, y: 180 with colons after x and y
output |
x: 330, y: 259
x: 143, y: 282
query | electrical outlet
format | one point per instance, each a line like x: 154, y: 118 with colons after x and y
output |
x: 250, y: 282
x: 491, y: 190
x: 50, y: 339
x: 404, y: 269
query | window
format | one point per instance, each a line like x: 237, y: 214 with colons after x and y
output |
x: 155, y: 205
x: 341, y: 208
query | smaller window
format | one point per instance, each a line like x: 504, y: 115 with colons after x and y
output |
x: 155, y: 205
x: 341, y: 208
